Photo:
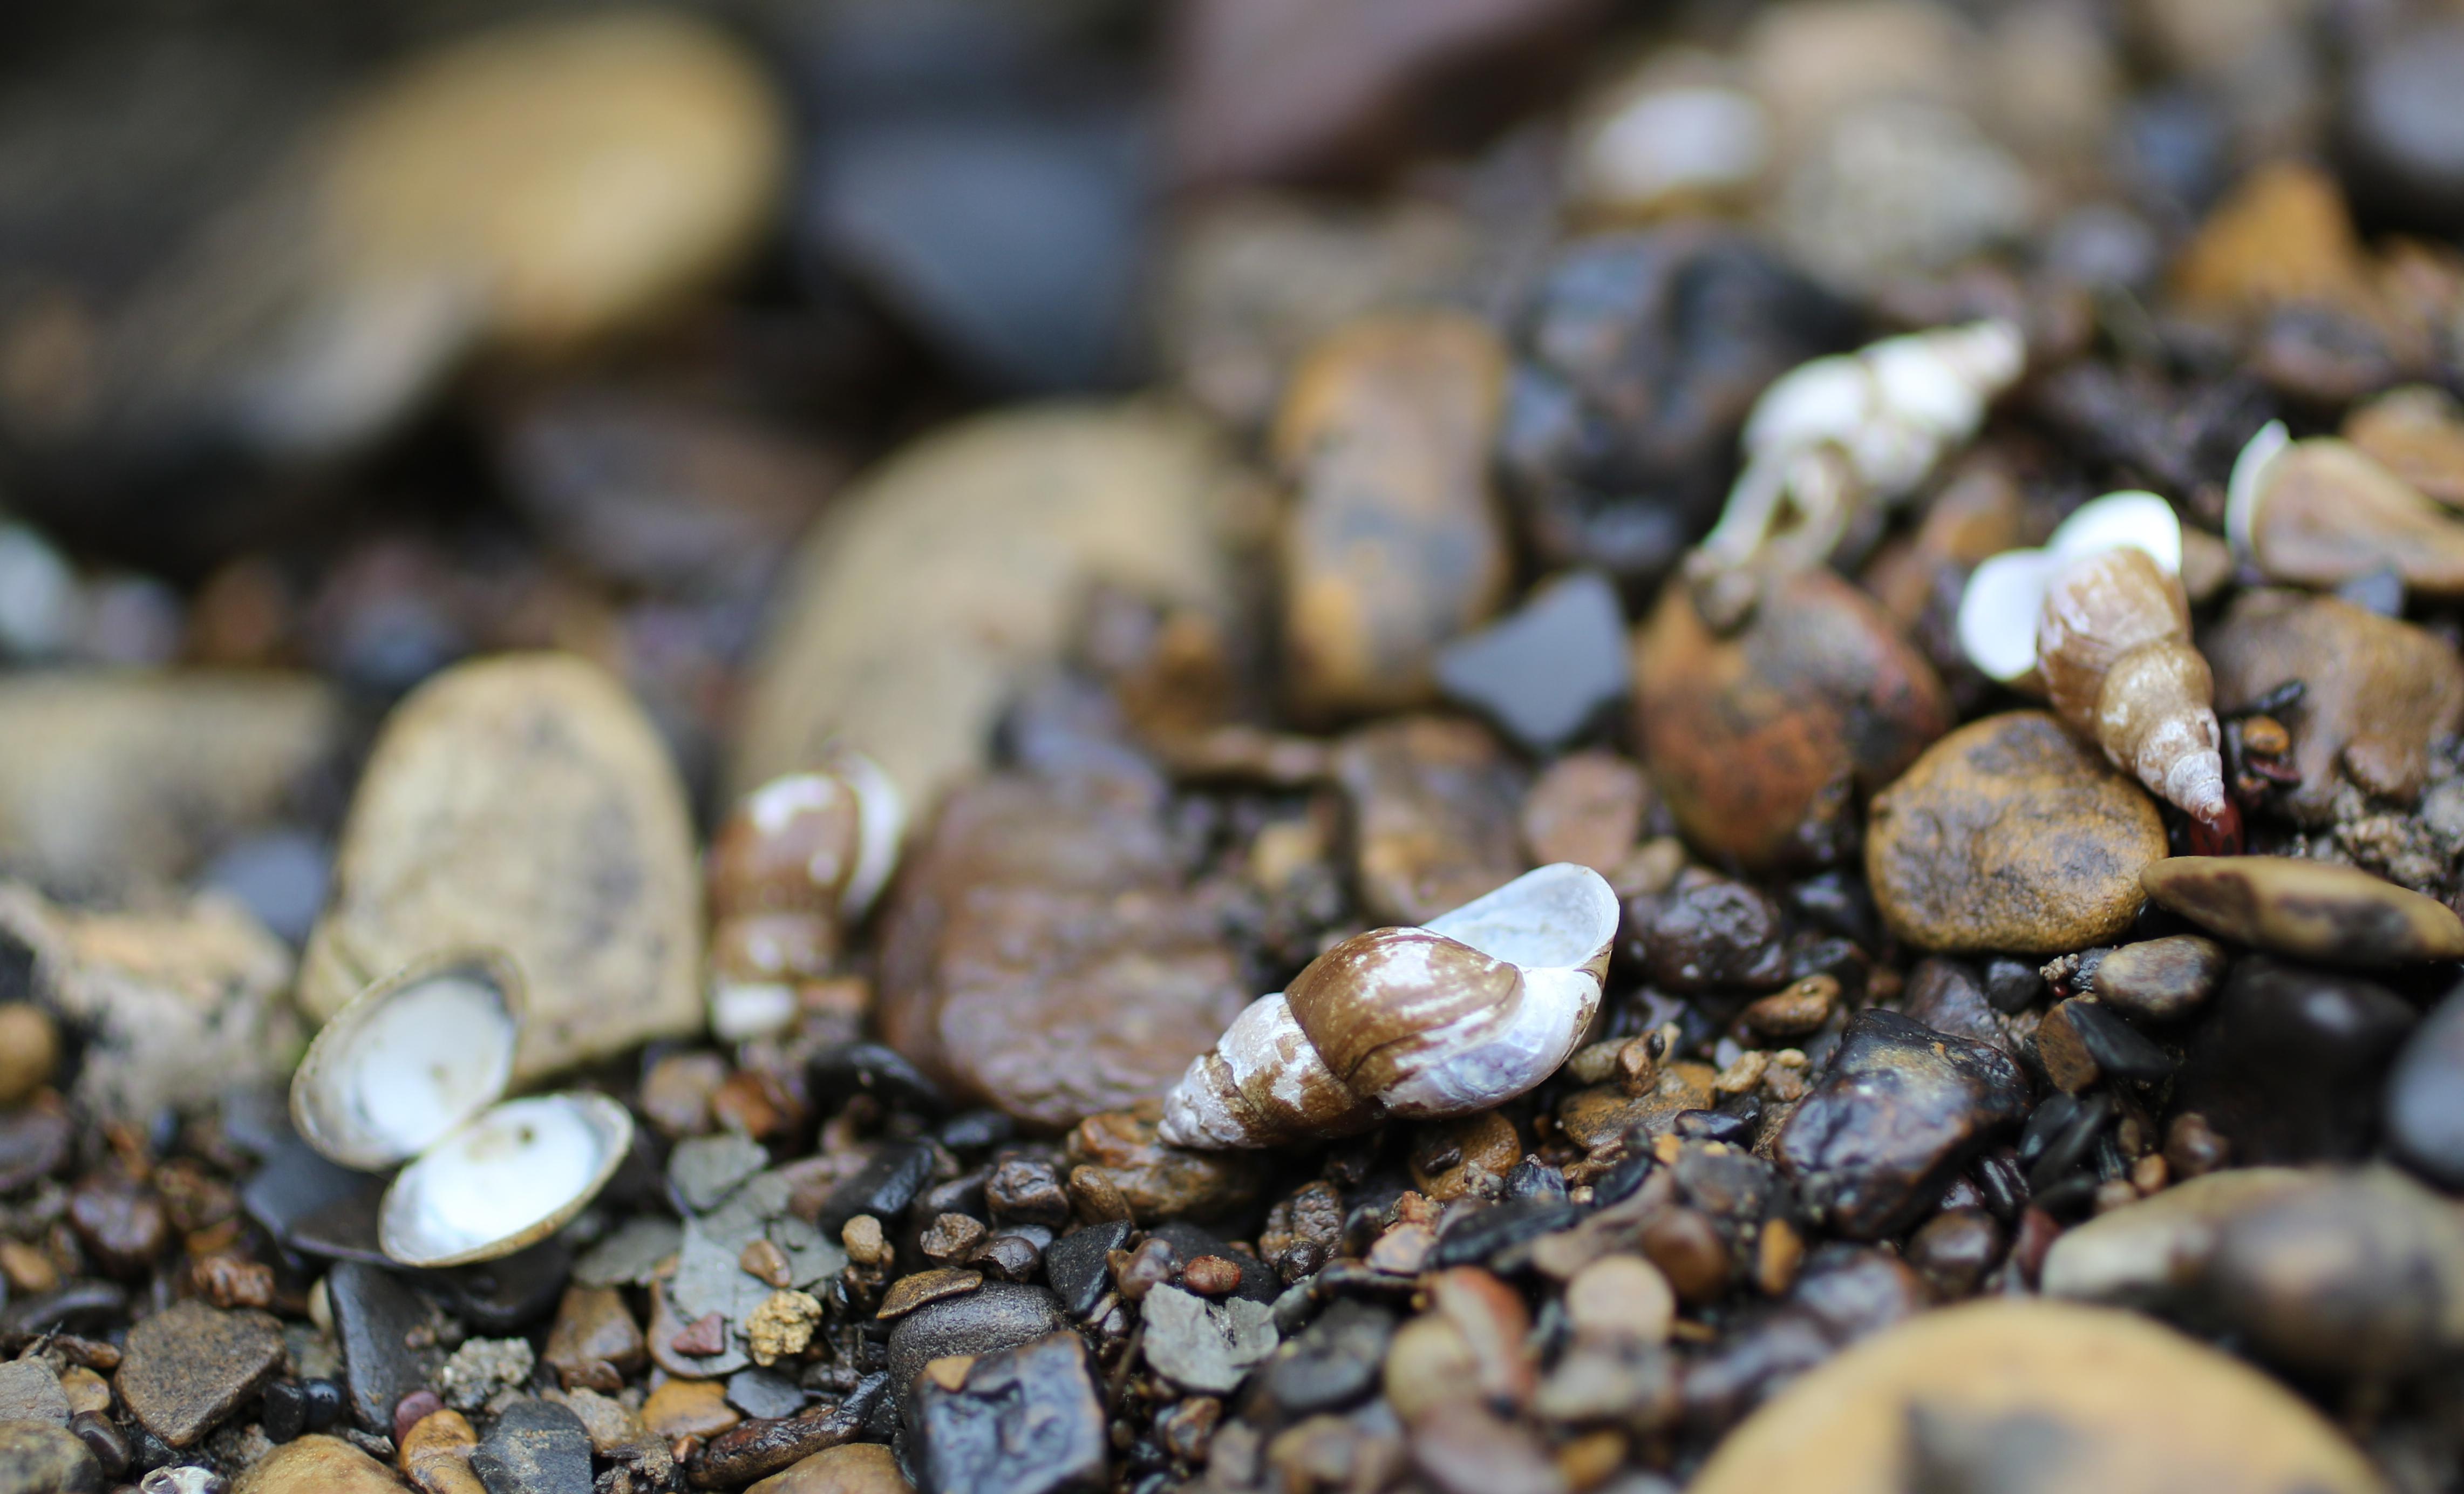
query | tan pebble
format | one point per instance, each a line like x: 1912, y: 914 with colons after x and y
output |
x: 688, y: 1408
x: 853, y: 1469
x: 1450, y: 1159
x: 2416, y: 432
x: 766, y: 1261
x: 595, y: 1338
x: 29, y: 1045
x: 2310, y: 909
x: 1429, y: 1365
x: 864, y: 1240
x: 1800, y: 1009
x: 28, y: 1270
x: 1777, y: 1254
x: 782, y: 1326
x: 1743, y: 1074
x: 1622, y: 1297
x: 85, y: 1390
x: 1587, y: 1462
x: 950, y: 1370
x: 316, y: 1464
x: 1403, y: 1250
x: 1496, y: 1325
x: 435, y: 1454
x: 911, y: 1293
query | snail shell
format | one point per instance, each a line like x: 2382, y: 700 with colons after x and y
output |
x: 1476, y: 1008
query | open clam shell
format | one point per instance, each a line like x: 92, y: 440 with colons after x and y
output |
x: 409, y: 1060
x: 508, y: 1179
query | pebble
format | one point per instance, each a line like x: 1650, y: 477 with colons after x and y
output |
x: 2402, y: 122
x: 996, y: 1316
x: 1621, y: 1298
x: 1899, y: 185
x: 2357, y: 1273
x: 1206, y: 1345
x: 1896, y: 1114
x: 957, y: 568
x: 1043, y: 954
x: 30, y: 1047
x: 1118, y: 1156
x: 1392, y: 543
x: 1586, y: 808
x: 316, y: 1465
x: 1989, y: 1391
x: 1946, y: 995
x: 2081, y: 1042
x: 2155, y: 1253
x: 30, y: 1392
x: 2415, y: 431
x: 1708, y: 932
x: 2424, y: 1112
x: 121, y: 1220
x: 34, y: 1142
x: 765, y: 1395
x: 852, y: 1468
x: 2288, y: 1064
x: 1955, y: 1249
x: 705, y: 1170
x: 40, y: 1458
x: 688, y: 1408
x: 2281, y: 237
x: 1749, y: 737
x: 374, y: 1315
x: 538, y: 1447
x: 1550, y: 670
x: 1434, y: 802
x: 757, y: 1449
x: 190, y: 1366
x: 177, y: 1002
x: 436, y: 1454
x: 2010, y: 834
x: 1076, y: 1264
x: 1027, y: 1418
x: 595, y: 1340
x: 2310, y: 910
x: 2161, y: 981
x: 123, y: 777
x: 2376, y: 692
x: 1332, y: 1363
x: 1454, y: 1157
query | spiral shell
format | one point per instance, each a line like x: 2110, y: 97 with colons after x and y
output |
x: 1476, y: 1008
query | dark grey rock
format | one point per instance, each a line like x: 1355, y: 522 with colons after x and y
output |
x: 1028, y: 1420
x: 35, y: 1140
x: 39, y: 1458
x: 705, y: 1170
x: 280, y: 875
x: 887, y: 1185
x: 2404, y: 125
x: 1898, y: 1112
x: 2359, y: 1274
x: 995, y: 1316
x: 190, y: 1366
x: 2288, y: 1063
x: 504, y: 1296
x: 1474, y: 1237
x: 630, y: 1257
x: 2425, y: 1096
x: 1947, y: 996
x: 374, y: 1315
x: 294, y: 1183
x: 1548, y: 670
x: 875, y: 1068
x: 1076, y: 1265
x: 765, y: 1395
x: 77, y: 1303
x: 1334, y: 1363
x: 1855, y: 1290
x: 538, y: 1447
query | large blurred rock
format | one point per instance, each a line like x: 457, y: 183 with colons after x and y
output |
x: 939, y: 582
x: 523, y: 804
x: 108, y: 779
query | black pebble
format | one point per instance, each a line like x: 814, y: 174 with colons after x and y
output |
x: 873, y: 1068
x: 109, y: 1446
x: 1074, y: 1264
x: 1477, y: 1237
x: 285, y: 1414
x: 324, y: 1399
x: 1714, y: 1126
x: 887, y: 1185
x: 1535, y: 1179
x: 2012, y: 985
x: 2119, y: 1050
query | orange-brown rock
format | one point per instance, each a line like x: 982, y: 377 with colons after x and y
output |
x: 1763, y: 741
x: 2282, y: 237
x: 1118, y: 1156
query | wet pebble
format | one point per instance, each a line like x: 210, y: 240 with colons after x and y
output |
x: 1708, y: 932
x: 30, y: 1047
x: 706, y: 1169
x: 1117, y: 1156
x: 1334, y: 1363
x: 997, y: 1315
x: 854, y: 1468
x: 1434, y: 805
x: 537, y: 1447
x: 316, y: 1465
x: 757, y: 1449
x: 2358, y: 1274
x: 436, y: 1454
x: 1550, y: 668
x: 2160, y: 980
x: 2010, y: 834
x: 374, y: 1316
x: 1076, y: 1264
x: 688, y: 1408
x: 594, y: 1341
x: 1206, y: 1345
x: 2288, y: 1063
x: 2309, y: 910
x: 2155, y: 1253
x: 1023, y: 1417
x: 190, y: 1366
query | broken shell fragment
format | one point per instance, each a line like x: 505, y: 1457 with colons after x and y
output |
x: 2322, y: 512
x: 414, y: 1070
x: 1478, y: 1007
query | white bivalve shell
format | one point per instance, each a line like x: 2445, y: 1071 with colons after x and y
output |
x: 2004, y: 599
x: 1477, y: 1007
x: 412, y: 1072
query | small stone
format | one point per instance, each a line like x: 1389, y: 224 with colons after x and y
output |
x: 1211, y: 1276
x: 677, y: 1091
x: 2010, y: 834
x: 2154, y: 1254
x: 1206, y: 1345
x: 2288, y: 1064
x: 1434, y: 802
x: 481, y: 1367
x: 538, y: 1447
x: 2402, y: 121
x: 854, y: 1468
x: 412, y: 1410
x: 2310, y: 910
x: 704, y: 1336
x: 1455, y: 1157
x: 782, y: 1326
x: 1706, y: 934
x: 688, y: 1408
x: 1799, y: 1010
x: 949, y: 1237
x: 1155, y: 1180
x: 610, y: 1422
x: 1472, y: 1450
x: 436, y: 1454
x: 1955, y: 1249
x: 2079, y: 1041
x: 2417, y: 434
x: 1075, y: 1264
x: 911, y: 1293
x: 1586, y: 808
x: 190, y: 1366
x: 85, y: 1390
x: 1748, y: 737
x: 2161, y: 981
x: 1621, y: 1298
x: 30, y: 1047
x: 1334, y: 1361
x: 994, y: 1317
x: 40, y: 1458
x: 706, y: 1169
x: 316, y: 1465
x: 1899, y: 1110
x: 1028, y: 1419
x: 763, y: 1395
x: 1548, y: 670
x: 884, y: 1188
x: 630, y: 1257
x: 2425, y: 1096
x: 2355, y: 1273
x: 595, y: 1339
x: 2282, y: 237
x: 30, y: 1392
x: 757, y: 1449
x: 1899, y: 185
x: 121, y: 1220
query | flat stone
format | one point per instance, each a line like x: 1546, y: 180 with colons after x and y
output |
x: 2310, y: 910
x: 1434, y: 804
x: 2358, y: 1273
x: 190, y: 1366
x: 706, y: 1169
x: 1587, y: 807
x: 688, y: 1408
x: 523, y: 804
x: 2154, y: 1253
x: 538, y: 1447
x: 41, y: 1459
x: 995, y: 1316
x: 594, y: 1333
x: 1206, y: 1345
x: 757, y: 1449
x: 2161, y: 981
x: 30, y: 1392
x: 1551, y: 667
x: 2010, y: 834
x: 631, y: 1255
x: 316, y: 1464
x: 374, y: 1315
x: 1896, y: 1114
x: 912, y: 1291
x: 1026, y: 1420
x: 2288, y: 1063
x: 764, y: 1393
x: 2425, y: 1096
x: 852, y: 1468
x: 883, y: 1187
x: 1076, y: 1264
x: 610, y: 1424
x: 2072, y: 1399
x: 1334, y: 1362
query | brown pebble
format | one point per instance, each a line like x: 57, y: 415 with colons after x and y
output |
x: 1429, y: 1364
x: 1687, y: 1248
x: 759, y: 1448
x: 316, y: 1464
x: 852, y: 1468
x: 1496, y: 1324
x: 1006, y: 1257
x: 230, y: 1282
x: 1211, y: 1276
x: 30, y: 1047
x: 1469, y: 1155
x: 949, y: 1237
x: 704, y: 1336
x: 1955, y: 1249
x: 594, y: 1339
x: 2310, y: 909
x: 1586, y: 808
x: 1403, y: 1250
x: 911, y: 1293
x: 1118, y: 1156
x: 2161, y: 980
x: 766, y: 1263
x: 677, y: 1092
x: 1778, y: 1252
x: 688, y: 1408
x: 121, y: 1220
x: 1796, y: 1011
x: 1140, y: 1272
x: 414, y: 1409
x: 28, y: 1269
x: 2193, y: 1148
x: 1621, y: 1297
x: 2063, y: 1051
x: 1433, y: 803
x: 85, y: 1390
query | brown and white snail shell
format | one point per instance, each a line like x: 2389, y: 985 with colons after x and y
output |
x: 2099, y: 621
x: 1478, y: 1007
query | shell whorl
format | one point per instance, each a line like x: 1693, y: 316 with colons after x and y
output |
x: 2113, y: 644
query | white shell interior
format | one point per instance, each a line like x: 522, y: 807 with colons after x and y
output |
x: 2004, y: 597
x: 2241, y: 490
x: 881, y: 824
x: 1558, y: 916
x: 2140, y: 520
x: 406, y: 1064
x: 507, y: 1179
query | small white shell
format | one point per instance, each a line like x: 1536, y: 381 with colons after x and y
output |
x: 2241, y: 489
x: 409, y: 1060
x: 2005, y: 596
x: 512, y: 1177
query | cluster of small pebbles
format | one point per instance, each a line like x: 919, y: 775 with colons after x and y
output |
x: 1320, y: 747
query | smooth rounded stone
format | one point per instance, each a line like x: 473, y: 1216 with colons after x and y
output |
x: 523, y: 804
x: 119, y: 1221
x: 1206, y: 1345
x: 1028, y: 1419
x: 40, y: 1458
x: 2065, y: 1398
x: 1641, y: 355
x: 1433, y: 803
x: 1622, y: 1297
x: 1043, y: 954
x: 1077, y: 1264
x: 594, y: 1334
x: 1763, y: 741
x: 316, y: 1464
x: 1708, y: 932
x: 1332, y: 1363
x: 2358, y: 1273
x: 1895, y: 1115
x: 2424, y: 1112
x: 127, y: 776
x: 2309, y: 910
x: 1586, y: 808
x: 2155, y: 1253
x: 2010, y: 834
x: 2416, y: 432
x: 851, y: 1469
x: 30, y: 1049
x: 765, y: 1395
x: 1549, y: 670
x: 176, y: 1005
x: 190, y: 1366
x: 957, y: 567
x: 2403, y: 124
x: 2376, y: 692
x: 1390, y: 543
x: 537, y: 1447
x: 436, y: 1451
x: 2289, y: 1062
x: 2163, y: 979
x: 2081, y: 1042
x: 995, y: 1316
